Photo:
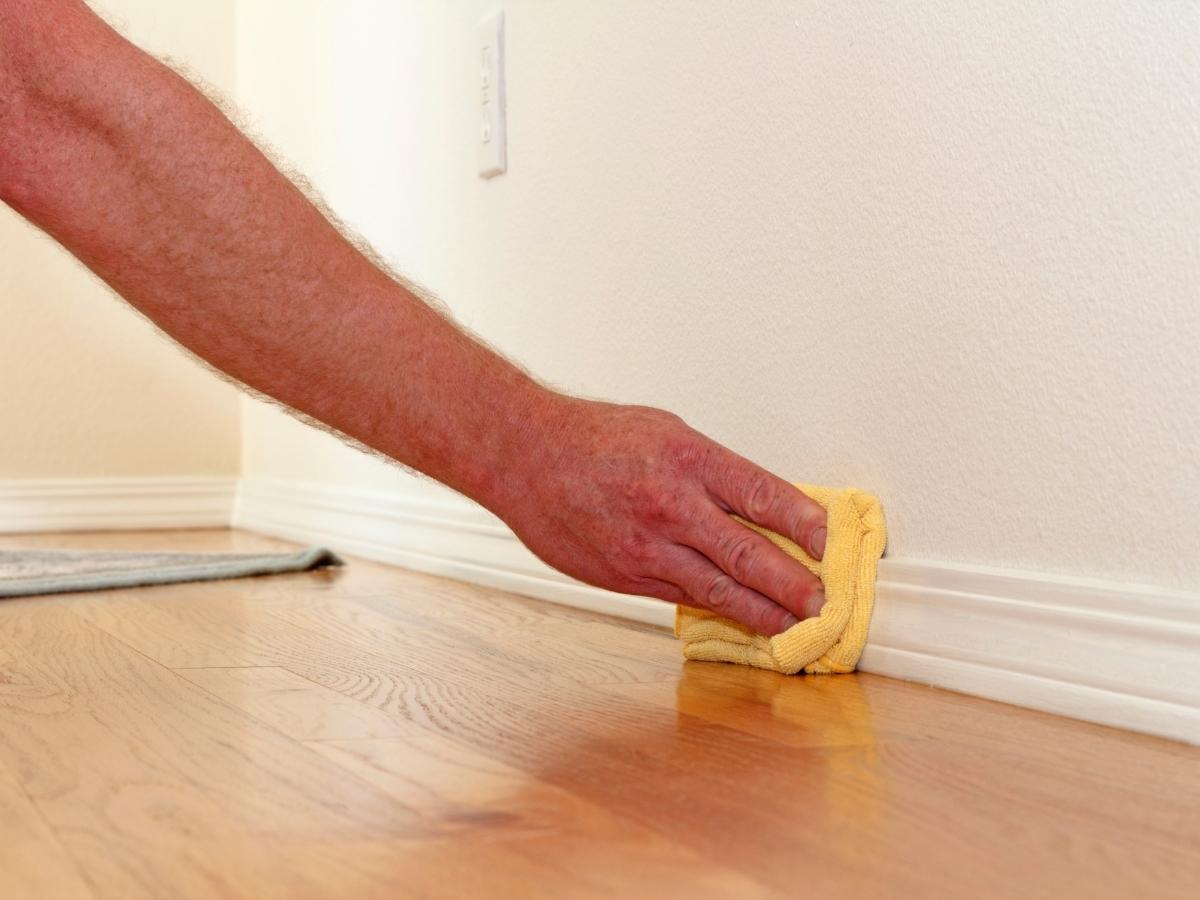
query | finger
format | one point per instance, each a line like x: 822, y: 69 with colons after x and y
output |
x: 754, y: 562
x: 708, y: 586
x: 765, y: 499
x: 661, y: 590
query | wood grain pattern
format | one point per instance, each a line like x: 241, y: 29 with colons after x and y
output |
x: 371, y: 732
x: 33, y: 864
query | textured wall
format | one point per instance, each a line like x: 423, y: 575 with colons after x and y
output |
x: 946, y: 251
x: 89, y: 388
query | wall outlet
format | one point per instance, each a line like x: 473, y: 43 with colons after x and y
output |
x: 491, y: 138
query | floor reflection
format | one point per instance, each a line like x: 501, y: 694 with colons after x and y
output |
x: 847, y: 786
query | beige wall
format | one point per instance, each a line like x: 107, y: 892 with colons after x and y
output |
x: 90, y: 388
x: 947, y: 251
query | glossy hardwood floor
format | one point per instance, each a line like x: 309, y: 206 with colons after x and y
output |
x: 370, y: 732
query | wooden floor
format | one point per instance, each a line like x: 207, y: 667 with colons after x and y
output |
x: 369, y: 732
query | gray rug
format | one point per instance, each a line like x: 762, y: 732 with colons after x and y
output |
x: 27, y: 572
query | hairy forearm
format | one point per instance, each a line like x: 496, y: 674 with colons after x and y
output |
x: 146, y: 181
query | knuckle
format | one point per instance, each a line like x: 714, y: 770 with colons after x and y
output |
x: 740, y: 554
x: 659, y: 507
x: 760, y: 497
x: 765, y: 622
x: 638, y: 551
x: 687, y: 453
x: 807, y: 517
x: 719, y: 594
x: 648, y: 501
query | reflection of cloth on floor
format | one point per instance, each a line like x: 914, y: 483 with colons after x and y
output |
x: 845, y: 772
x: 830, y: 642
x: 34, y: 571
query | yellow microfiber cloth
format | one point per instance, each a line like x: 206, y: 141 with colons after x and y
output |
x: 830, y: 642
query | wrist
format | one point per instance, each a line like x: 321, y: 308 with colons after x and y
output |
x: 528, y: 441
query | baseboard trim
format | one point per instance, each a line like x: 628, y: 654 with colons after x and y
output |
x: 84, y: 504
x: 1061, y: 644
x: 454, y: 539
x: 1065, y: 698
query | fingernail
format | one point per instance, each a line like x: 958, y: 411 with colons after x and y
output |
x: 812, y: 605
x: 818, y: 542
x: 789, y: 621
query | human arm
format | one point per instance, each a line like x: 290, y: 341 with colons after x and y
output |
x: 149, y: 185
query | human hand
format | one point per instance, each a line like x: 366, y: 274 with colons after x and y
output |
x: 631, y: 499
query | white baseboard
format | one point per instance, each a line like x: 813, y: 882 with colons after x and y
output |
x: 1117, y: 654
x: 453, y: 538
x: 1121, y: 655
x: 85, y: 504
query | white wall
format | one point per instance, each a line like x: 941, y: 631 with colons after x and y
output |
x: 89, y: 387
x: 946, y: 251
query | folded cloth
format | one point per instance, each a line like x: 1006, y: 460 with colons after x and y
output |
x: 830, y: 642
